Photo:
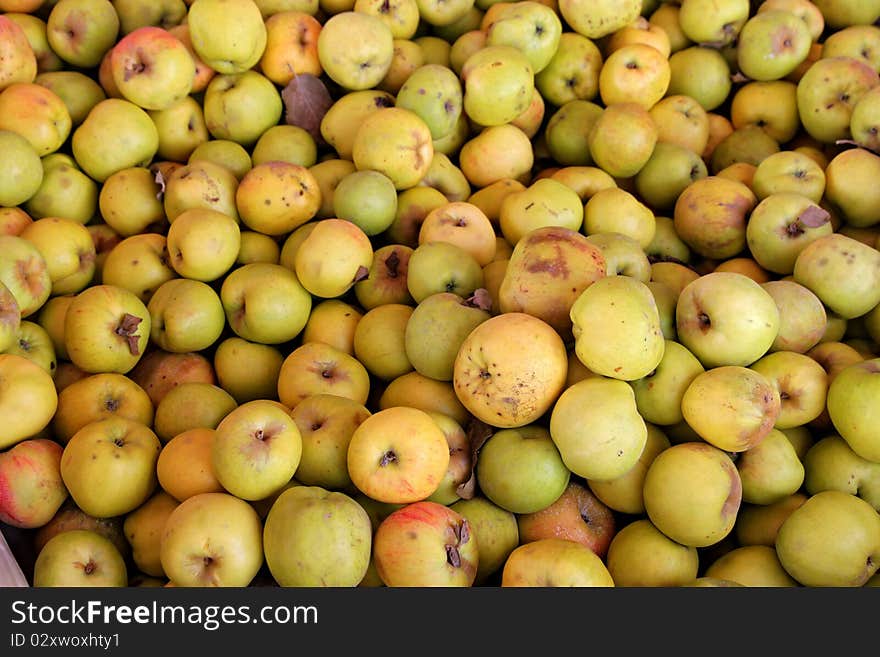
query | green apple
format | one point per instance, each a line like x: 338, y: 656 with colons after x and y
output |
x: 851, y: 407
x: 66, y: 191
x: 34, y: 343
x: 113, y: 453
x: 435, y: 329
x: 572, y: 72
x: 326, y: 423
x: 847, y: 189
x: 106, y: 329
x: 622, y: 139
x: 247, y: 370
x: 265, y: 303
x: 80, y: 558
x: 530, y: 26
x: 189, y: 405
x: 744, y: 407
x: 202, y: 183
x: 827, y: 92
x: 831, y: 464
x: 355, y: 49
x: 802, y: 384
x: 181, y: 127
x: 642, y: 555
x: 317, y: 537
x: 668, y: 171
x: 24, y: 383
x: 544, y: 203
x: 659, y: 393
x: 22, y: 176
x: 843, y: 14
x: 696, y: 510
x: 287, y: 143
x: 771, y: 470
x: 842, y: 271
x: 241, y: 106
x: 726, y: 318
x: 442, y: 267
x: 342, y: 120
x: 616, y: 327
x: 751, y: 565
x: 226, y: 153
x: 441, y: 108
x: 78, y: 91
x: 67, y: 247
x: 116, y: 134
x: 832, y: 539
x: 494, y: 529
x: 138, y: 263
x: 771, y: 44
x: 623, y: 255
x: 597, y: 429
x: 212, y: 539
x: 367, y: 198
x: 396, y: 142
x: 129, y: 201
x: 568, y: 129
x: 81, y: 32
x: 598, y: 19
x: 229, y: 36
x: 625, y: 493
x: 702, y: 73
x: 508, y: 471
x: 185, y: 315
x: 256, y: 449
x: 498, y: 84
x: 203, y: 244
x: 137, y: 13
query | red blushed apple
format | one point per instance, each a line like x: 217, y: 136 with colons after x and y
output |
x: 13, y: 220
x: 152, y: 68
x: 577, y: 515
x: 31, y: 488
x: 425, y: 544
x: 159, y: 371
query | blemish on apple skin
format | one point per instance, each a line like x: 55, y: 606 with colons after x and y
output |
x: 731, y: 505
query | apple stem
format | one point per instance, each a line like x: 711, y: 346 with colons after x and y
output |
x: 387, y: 458
x: 126, y: 329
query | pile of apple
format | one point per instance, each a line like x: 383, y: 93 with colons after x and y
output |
x: 441, y: 292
